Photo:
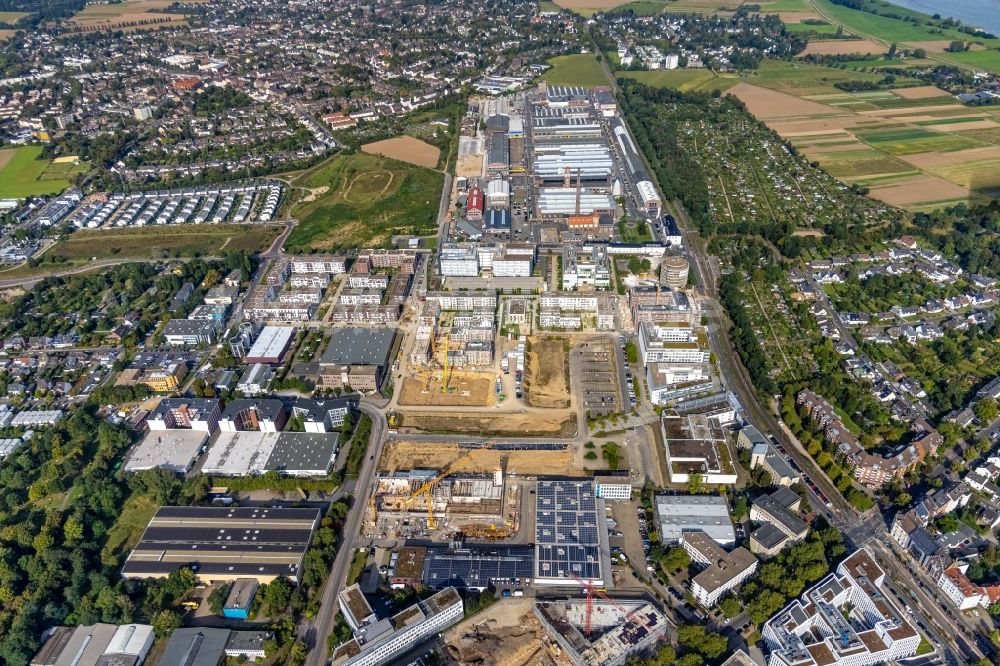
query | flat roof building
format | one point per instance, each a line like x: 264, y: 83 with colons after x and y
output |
x: 251, y: 452
x: 224, y: 544
x: 359, y: 346
x: 694, y: 513
x: 571, y: 537
x: 696, y: 444
x: 172, y: 450
x: 271, y: 345
x: 722, y: 571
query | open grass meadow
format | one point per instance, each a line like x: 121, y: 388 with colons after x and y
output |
x: 581, y: 69
x: 363, y: 200
x: 684, y: 80
x: 12, y: 17
x: 182, y: 240
x: 22, y: 174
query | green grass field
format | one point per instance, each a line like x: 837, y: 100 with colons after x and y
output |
x: 824, y: 30
x: 12, y: 17
x: 23, y: 175
x: 641, y: 8
x: 182, y: 240
x: 548, y: 6
x: 125, y: 533
x: 908, y: 141
x: 581, y: 69
x: 685, y: 80
x: 367, y: 200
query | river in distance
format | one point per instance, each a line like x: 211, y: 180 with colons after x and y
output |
x: 983, y: 14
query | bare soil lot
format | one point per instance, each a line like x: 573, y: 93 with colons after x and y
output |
x: 768, y: 104
x: 128, y: 15
x: 919, y: 190
x: 935, y: 159
x: 402, y: 454
x: 406, y: 149
x: 469, y: 166
x: 545, y: 381
x: 844, y: 47
x: 470, y: 390
x: 547, y: 424
x: 796, y: 16
x: 506, y: 634
x: 920, y: 92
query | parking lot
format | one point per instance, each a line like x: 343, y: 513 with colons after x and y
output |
x: 596, y: 375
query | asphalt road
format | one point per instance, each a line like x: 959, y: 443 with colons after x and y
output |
x: 315, y: 633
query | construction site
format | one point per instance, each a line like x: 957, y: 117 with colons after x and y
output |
x: 479, y: 640
x: 428, y: 503
x: 530, y: 459
x: 605, y: 631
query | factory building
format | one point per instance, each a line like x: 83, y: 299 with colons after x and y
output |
x: 224, y: 544
x: 649, y: 200
x: 474, y: 204
x: 271, y: 345
x: 497, y: 194
x: 563, y: 202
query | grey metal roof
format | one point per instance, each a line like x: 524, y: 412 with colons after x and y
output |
x: 195, y: 647
x: 359, y: 346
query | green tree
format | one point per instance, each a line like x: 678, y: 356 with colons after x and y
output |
x: 695, y: 484
x: 675, y: 559
x: 730, y: 607
x: 165, y: 621
x: 217, y: 599
x: 986, y: 410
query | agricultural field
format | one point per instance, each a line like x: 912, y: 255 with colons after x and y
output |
x: 581, y: 69
x: 22, y: 174
x: 12, y: 17
x: 128, y: 15
x: 406, y: 149
x: 933, y: 39
x: 362, y: 200
x: 589, y: 7
x: 156, y: 242
x: 914, y: 147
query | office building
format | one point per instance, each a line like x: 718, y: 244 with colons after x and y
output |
x: 696, y: 444
x: 190, y: 332
x: 678, y: 514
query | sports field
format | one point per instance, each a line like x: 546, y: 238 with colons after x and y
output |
x: 362, y: 200
x: 581, y: 69
x: 182, y: 240
x: 22, y: 174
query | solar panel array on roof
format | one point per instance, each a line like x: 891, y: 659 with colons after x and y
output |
x: 567, y: 536
x: 477, y: 567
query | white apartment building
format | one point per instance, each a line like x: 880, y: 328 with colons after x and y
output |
x: 653, y: 349
x: 319, y: 264
x: 813, y: 631
x: 460, y: 301
x: 511, y: 266
x: 723, y: 571
x: 558, y: 319
x: 381, y: 642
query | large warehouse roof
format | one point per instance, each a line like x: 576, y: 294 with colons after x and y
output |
x: 254, y: 452
x: 271, y: 344
x: 224, y: 543
x: 359, y: 346
x: 563, y: 200
x: 683, y: 513
x: 570, y: 532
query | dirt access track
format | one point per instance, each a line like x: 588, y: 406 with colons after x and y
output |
x: 546, y: 375
x: 404, y: 455
x: 529, y: 424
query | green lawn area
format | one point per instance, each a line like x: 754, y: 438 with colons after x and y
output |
x: 685, y: 80
x: 803, y: 79
x: 581, y: 69
x: 848, y: 421
x: 363, y: 200
x: 884, y: 28
x: 988, y: 60
x: 824, y: 29
x: 909, y: 141
x: 641, y: 7
x: 23, y: 175
x: 125, y: 533
x: 182, y: 240
x: 357, y: 567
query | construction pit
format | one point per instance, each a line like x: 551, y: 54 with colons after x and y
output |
x: 401, y: 454
x: 508, y: 423
x: 506, y: 634
x: 464, y: 388
x: 546, y: 377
